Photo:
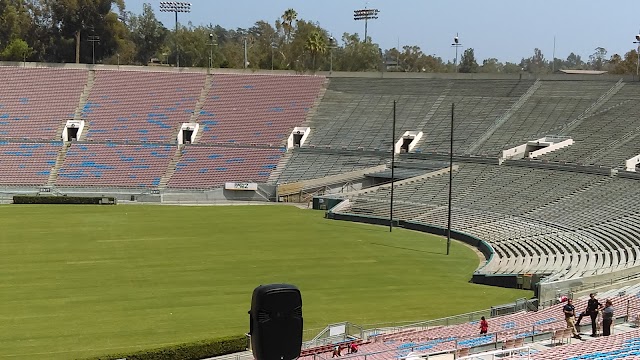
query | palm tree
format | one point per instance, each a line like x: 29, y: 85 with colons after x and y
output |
x: 288, y: 18
x: 316, y: 44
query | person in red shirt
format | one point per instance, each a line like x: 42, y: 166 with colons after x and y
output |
x: 353, y: 348
x: 484, y: 325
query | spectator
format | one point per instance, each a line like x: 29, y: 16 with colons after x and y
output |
x: 607, y: 318
x: 353, y: 348
x: 337, y: 351
x: 570, y: 316
x: 593, y: 306
x: 484, y: 326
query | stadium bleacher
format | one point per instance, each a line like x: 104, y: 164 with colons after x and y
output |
x: 256, y: 109
x: 203, y: 167
x: 540, y: 330
x: 35, y: 103
x: 536, y: 219
x: 114, y: 165
x: 27, y: 163
x: 140, y: 106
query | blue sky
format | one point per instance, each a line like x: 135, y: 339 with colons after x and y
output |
x: 506, y: 29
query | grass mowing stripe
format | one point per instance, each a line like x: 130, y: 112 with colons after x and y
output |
x: 76, y: 280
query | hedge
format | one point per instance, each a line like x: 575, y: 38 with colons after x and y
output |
x: 83, y: 200
x: 188, y: 351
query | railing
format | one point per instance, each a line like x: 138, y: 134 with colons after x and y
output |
x: 335, y: 333
x: 484, y: 342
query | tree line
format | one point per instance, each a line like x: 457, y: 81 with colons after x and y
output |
x: 103, y: 31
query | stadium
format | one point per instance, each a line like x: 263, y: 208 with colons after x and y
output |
x: 543, y: 178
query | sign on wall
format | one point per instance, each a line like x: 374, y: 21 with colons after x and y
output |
x: 241, y: 186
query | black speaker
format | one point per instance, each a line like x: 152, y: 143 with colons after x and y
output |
x: 275, y: 322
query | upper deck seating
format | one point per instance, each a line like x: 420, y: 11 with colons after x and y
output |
x: 35, y: 103
x: 256, y: 109
x: 141, y: 106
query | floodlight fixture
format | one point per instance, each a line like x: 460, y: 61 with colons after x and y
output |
x: 456, y: 44
x: 332, y: 45
x: 176, y: 7
x: 366, y: 15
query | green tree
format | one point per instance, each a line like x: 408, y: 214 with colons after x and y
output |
x: 316, y: 44
x: 468, y: 63
x: 535, y: 64
x: 356, y: 55
x: 15, y: 21
x: 598, y: 60
x: 17, y: 50
x: 626, y: 65
x: 289, y: 16
x: 574, y: 61
x: 147, y: 33
x: 73, y: 18
x: 511, y: 68
x: 491, y: 65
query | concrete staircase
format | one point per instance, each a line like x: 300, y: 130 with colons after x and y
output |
x: 434, y: 108
x: 53, y: 174
x: 503, y: 119
x: 593, y: 108
x: 282, y: 164
x: 84, y: 97
x: 201, y: 100
x: 171, y: 168
x: 314, y: 108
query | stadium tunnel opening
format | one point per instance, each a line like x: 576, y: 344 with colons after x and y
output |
x: 187, y: 135
x: 72, y: 133
x: 297, y: 138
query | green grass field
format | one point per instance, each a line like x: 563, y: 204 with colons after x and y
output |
x: 82, y: 280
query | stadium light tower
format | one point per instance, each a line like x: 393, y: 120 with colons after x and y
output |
x: 638, y: 53
x: 456, y: 44
x: 175, y: 7
x: 332, y: 45
x: 366, y: 15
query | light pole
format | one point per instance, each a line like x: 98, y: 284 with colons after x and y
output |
x: 332, y: 45
x: 366, y: 15
x: 93, y: 39
x: 456, y: 44
x: 246, y: 61
x: 212, y: 43
x: 273, y: 46
x: 175, y: 7
x: 638, y: 53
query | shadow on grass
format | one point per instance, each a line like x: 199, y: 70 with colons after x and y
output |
x: 410, y: 249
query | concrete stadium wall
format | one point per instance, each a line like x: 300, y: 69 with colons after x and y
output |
x: 265, y: 193
x: 550, y: 290
x: 334, y: 74
x: 481, y: 245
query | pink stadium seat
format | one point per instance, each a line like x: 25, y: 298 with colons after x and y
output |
x: 141, y: 106
x: 267, y: 107
x: 35, y: 103
x: 204, y: 167
x: 114, y: 165
x: 28, y: 163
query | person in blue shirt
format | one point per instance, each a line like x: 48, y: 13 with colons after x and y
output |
x: 607, y: 318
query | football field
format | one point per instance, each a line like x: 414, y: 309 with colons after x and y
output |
x: 80, y: 280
